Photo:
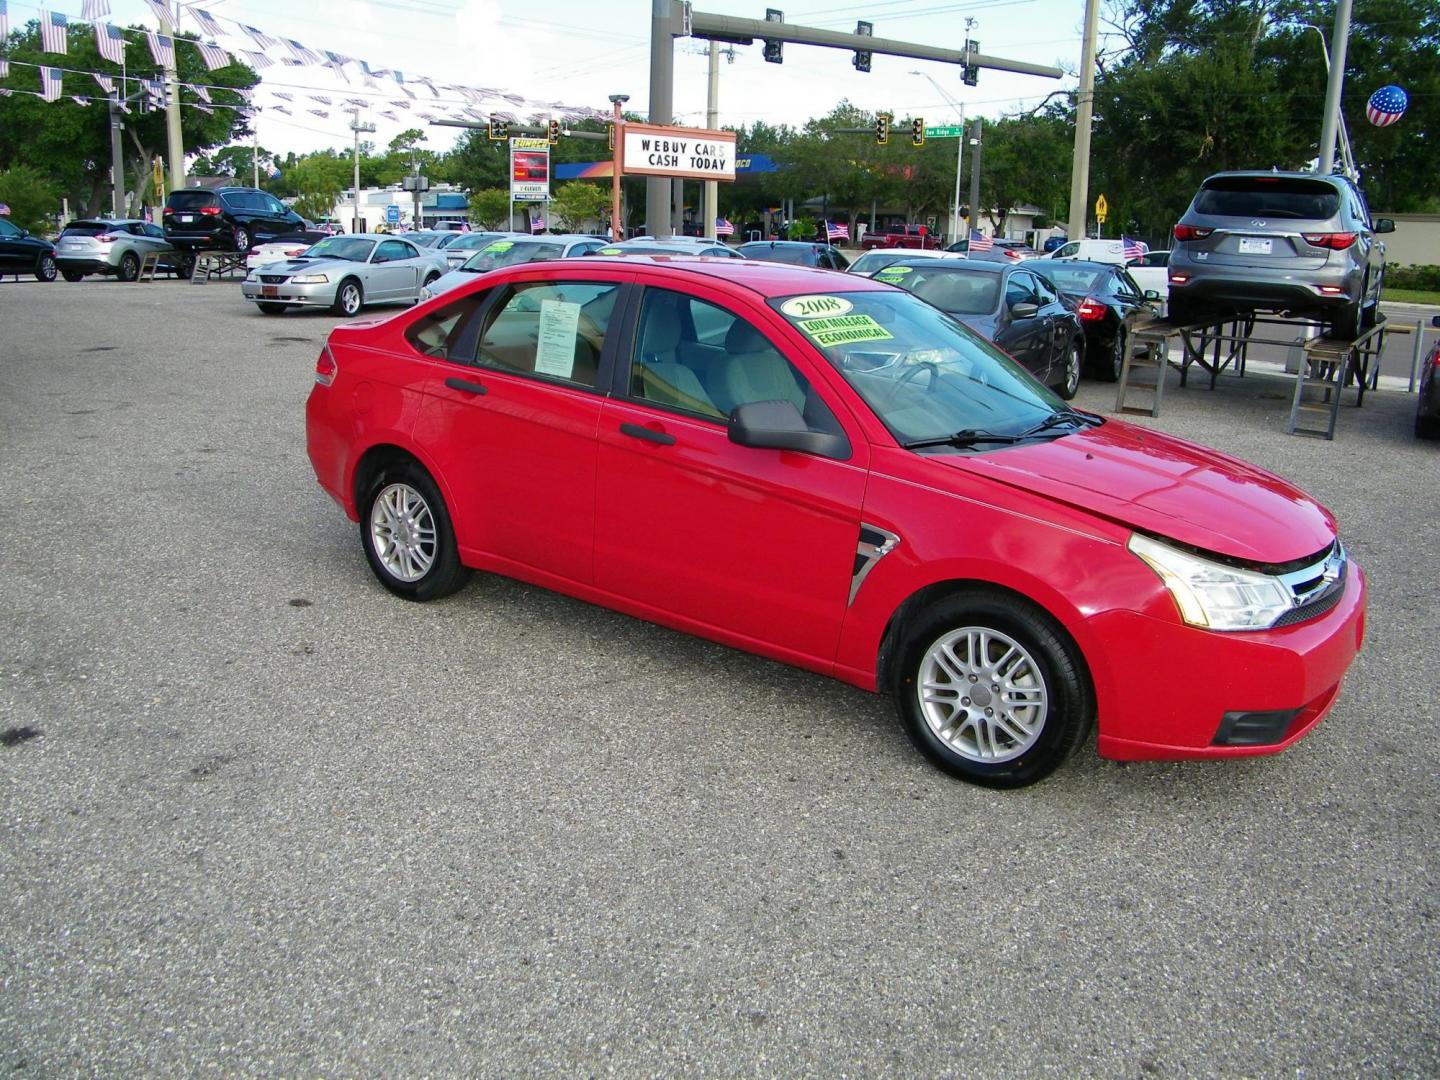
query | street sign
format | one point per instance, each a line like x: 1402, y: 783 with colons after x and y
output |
x: 1102, y: 209
x: 691, y: 153
x: 529, y: 169
x: 945, y: 131
x: 392, y: 215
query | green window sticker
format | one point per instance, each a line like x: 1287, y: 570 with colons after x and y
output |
x: 498, y: 246
x: 610, y: 251
x: 843, y: 329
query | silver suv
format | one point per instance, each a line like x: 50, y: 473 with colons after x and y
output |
x: 116, y: 247
x: 1271, y: 241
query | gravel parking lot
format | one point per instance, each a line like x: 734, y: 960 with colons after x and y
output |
x: 274, y: 821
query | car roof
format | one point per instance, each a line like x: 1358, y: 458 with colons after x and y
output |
x: 109, y: 221
x: 1332, y: 178
x: 784, y: 243
x: 765, y: 278
x: 1056, y: 264
x: 977, y: 266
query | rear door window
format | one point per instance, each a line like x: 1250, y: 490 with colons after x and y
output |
x: 550, y: 330
x: 1287, y: 198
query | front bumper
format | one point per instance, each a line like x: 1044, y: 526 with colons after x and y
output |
x: 321, y: 295
x: 1173, y: 689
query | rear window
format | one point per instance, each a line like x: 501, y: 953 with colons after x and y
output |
x: 1265, y: 196
x: 190, y: 200
x: 957, y: 292
x: 88, y: 228
x: 1071, y: 279
x: 794, y: 256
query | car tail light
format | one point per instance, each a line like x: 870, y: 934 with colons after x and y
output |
x: 209, y: 211
x: 325, y: 368
x: 1335, y: 241
x: 1191, y: 232
x: 1011, y: 253
x: 1091, y: 309
x: 106, y: 238
x: 252, y: 251
x: 1331, y: 290
x: 1179, y: 279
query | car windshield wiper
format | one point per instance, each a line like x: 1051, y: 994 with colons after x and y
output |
x: 1065, y: 416
x: 964, y: 437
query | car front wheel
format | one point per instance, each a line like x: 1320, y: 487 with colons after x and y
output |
x: 990, y: 691
x: 46, y: 268
x: 406, y: 532
x: 349, y: 298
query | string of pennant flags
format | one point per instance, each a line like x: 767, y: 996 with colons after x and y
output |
x: 110, y: 41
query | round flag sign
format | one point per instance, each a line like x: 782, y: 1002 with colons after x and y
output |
x: 1386, y: 105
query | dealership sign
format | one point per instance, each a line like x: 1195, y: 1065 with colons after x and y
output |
x: 529, y: 170
x: 689, y: 153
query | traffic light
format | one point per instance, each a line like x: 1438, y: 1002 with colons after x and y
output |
x: 917, y: 132
x: 554, y: 132
x: 774, y: 49
x: 969, y: 73
x: 882, y: 128
x: 861, y: 60
x: 499, y: 129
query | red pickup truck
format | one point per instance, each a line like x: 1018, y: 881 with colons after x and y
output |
x: 901, y: 236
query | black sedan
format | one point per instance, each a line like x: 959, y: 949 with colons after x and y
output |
x: 1427, y: 411
x: 796, y: 253
x: 22, y: 253
x: 1004, y: 303
x: 1108, y: 302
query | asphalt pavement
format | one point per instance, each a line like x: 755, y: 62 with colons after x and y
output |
x: 257, y: 816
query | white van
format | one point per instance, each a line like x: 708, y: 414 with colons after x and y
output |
x: 1106, y: 251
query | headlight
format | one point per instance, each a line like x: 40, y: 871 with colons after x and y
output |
x: 309, y: 279
x: 1212, y: 594
x: 253, y: 275
x: 425, y: 293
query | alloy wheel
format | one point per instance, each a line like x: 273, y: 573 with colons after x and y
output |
x: 402, y: 530
x: 982, y: 694
x: 350, y: 298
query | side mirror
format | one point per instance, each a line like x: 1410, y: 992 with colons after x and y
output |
x: 1024, y: 311
x: 1384, y: 225
x: 1152, y: 294
x: 778, y: 425
x: 378, y: 259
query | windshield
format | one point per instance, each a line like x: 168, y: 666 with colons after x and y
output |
x: 872, y: 261
x: 511, y: 253
x: 924, y: 374
x: 795, y: 256
x: 958, y: 291
x: 473, y: 241
x: 348, y: 248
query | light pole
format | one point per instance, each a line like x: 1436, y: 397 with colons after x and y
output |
x: 959, y: 155
x: 173, y: 136
x: 357, y: 127
x: 1347, y: 156
x: 617, y: 226
x: 1339, y: 40
x: 1084, y: 111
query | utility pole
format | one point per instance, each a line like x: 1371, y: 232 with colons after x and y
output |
x: 357, y: 127
x: 712, y: 119
x: 117, y: 158
x: 172, y: 99
x: 1339, y: 40
x: 617, y: 216
x: 419, y: 216
x: 254, y: 154
x: 1084, y: 111
x: 975, y: 173
x: 658, y: 189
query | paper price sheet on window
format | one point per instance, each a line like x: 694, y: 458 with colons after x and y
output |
x: 555, y: 351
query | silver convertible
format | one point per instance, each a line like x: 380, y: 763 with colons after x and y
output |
x: 344, y: 273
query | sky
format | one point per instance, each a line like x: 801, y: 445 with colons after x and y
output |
x: 581, y: 51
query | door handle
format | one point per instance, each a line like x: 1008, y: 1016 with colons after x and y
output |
x: 466, y: 386
x: 639, y: 431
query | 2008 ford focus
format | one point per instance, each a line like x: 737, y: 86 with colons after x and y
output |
x: 830, y: 472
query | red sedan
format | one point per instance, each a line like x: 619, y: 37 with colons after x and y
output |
x: 830, y: 472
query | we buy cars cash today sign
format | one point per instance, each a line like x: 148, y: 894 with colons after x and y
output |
x: 690, y: 153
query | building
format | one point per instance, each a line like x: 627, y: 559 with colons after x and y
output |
x: 443, y: 202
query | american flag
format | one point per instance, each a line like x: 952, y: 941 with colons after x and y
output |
x: 50, y: 83
x: 321, y: 98
x: 5, y: 74
x: 319, y: 112
x: 836, y: 232
x: 4, y: 209
x: 1386, y: 106
x: 723, y: 227
x: 162, y: 48
x: 4, y: 21
x: 257, y: 60
x: 537, y: 223
x: 91, y: 10
x: 206, y: 22
x: 201, y: 92
x: 260, y: 38
x: 111, y: 42
x: 1131, y: 248
x: 980, y: 242
x: 106, y: 83
x: 300, y: 52
x: 52, y: 31
x: 213, y: 55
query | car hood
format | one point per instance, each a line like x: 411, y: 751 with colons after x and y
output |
x: 1166, y: 486
x: 308, y: 266
x: 452, y: 280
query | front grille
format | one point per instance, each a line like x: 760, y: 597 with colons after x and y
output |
x: 1316, y: 588
x: 274, y: 279
x: 1317, y: 604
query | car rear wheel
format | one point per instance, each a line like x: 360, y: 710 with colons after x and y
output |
x: 990, y: 691
x: 273, y: 309
x: 72, y: 275
x: 46, y: 268
x: 1112, y: 361
x: 407, y: 536
x: 183, y: 267
x: 1070, y: 371
x: 349, y: 298
x: 241, y: 238
x: 1345, y: 321
x: 129, y: 267
x: 1427, y: 427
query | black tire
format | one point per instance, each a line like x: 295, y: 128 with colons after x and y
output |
x: 272, y: 309
x: 240, y: 239
x: 1070, y: 374
x: 1345, y: 321
x: 72, y: 275
x: 430, y: 280
x: 1370, y: 313
x: 349, y: 298
x: 1111, y: 362
x: 1049, y: 664
x: 183, y: 267
x: 444, y: 574
x: 46, y: 268
x: 1427, y: 427
x: 1183, y: 312
x: 129, y: 267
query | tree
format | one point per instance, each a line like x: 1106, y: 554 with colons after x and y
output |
x: 317, y: 181
x: 32, y: 199
x: 490, y: 208
x: 576, y: 203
